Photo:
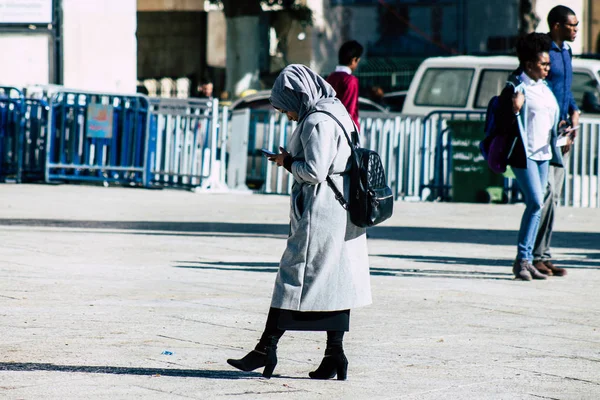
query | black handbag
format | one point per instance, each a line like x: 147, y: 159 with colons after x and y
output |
x: 371, y: 199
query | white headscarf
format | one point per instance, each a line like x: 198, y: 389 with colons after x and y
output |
x: 299, y: 89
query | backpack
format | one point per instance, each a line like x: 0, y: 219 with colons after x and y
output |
x: 490, y: 123
x: 496, y: 146
x: 371, y: 200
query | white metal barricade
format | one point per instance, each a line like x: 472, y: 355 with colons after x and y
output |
x: 582, y: 183
x: 184, y: 148
x: 416, y: 153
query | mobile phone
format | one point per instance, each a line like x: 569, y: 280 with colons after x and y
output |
x: 566, y: 131
x: 268, y: 153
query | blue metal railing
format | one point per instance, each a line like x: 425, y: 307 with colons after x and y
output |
x: 114, y: 152
x: 12, y: 103
x: 35, y: 134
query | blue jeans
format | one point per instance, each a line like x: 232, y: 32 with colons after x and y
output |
x: 532, y: 181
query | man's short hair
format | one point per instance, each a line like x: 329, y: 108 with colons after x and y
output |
x: 559, y: 14
x: 348, y: 51
x: 530, y: 46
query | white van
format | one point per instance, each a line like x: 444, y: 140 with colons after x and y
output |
x: 467, y: 83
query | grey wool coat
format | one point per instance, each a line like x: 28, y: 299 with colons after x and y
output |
x: 325, y: 265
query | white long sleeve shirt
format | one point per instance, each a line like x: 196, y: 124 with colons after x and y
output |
x: 542, y: 110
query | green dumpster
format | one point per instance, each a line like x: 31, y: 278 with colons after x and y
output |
x: 471, y: 179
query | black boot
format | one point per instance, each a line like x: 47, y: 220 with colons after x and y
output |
x: 265, y: 352
x: 261, y: 356
x: 334, y: 362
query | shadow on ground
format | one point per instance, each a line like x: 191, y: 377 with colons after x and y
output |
x: 375, y: 271
x: 574, y: 240
x: 588, y: 261
x: 504, y: 266
x: 192, y: 373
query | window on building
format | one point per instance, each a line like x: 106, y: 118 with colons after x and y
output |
x: 444, y: 87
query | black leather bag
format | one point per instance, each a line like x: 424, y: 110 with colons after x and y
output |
x: 371, y: 199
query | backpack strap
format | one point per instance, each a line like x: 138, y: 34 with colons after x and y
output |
x: 348, y: 139
x: 338, y: 195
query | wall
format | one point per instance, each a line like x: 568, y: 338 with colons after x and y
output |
x: 501, y: 20
x: 23, y: 68
x: 26, y: 40
x: 100, y: 45
x: 288, y: 40
x: 170, y: 5
x: 171, y: 44
x: 216, y: 39
x: 325, y: 35
x: 594, y: 21
x: 424, y: 25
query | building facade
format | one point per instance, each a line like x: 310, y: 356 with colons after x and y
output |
x: 82, y: 44
x: 108, y: 45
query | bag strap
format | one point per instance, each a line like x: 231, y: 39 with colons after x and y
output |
x: 348, y: 139
x: 338, y: 195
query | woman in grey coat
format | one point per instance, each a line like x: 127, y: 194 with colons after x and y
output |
x: 324, y: 270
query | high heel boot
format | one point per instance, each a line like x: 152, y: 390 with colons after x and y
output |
x: 263, y: 355
x: 334, y: 362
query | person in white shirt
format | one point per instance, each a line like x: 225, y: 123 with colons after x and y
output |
x: 532, y: 117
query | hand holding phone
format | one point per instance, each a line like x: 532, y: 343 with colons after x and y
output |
x: 574, y: 128
x: 268, y: 153
x: 568, y: 130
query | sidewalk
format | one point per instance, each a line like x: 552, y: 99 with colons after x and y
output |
x: 97, y: 284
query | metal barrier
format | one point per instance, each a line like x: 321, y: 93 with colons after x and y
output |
x: 35, y: 134
x: 582, y: 180
x: 97, y: 137
x: 436, y: 153
x: 387, y: 72
x: 396, y: 138
x: 11, y: 126
x: 268, y: 130
x: 261, y: 132
x: 134, y: 140
x: 415, y: 151
x: 186, y: 143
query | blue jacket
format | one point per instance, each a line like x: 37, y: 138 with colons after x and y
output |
x: 560, y: 79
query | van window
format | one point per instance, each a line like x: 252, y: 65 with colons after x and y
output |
x: 491, y: 83
x: 444, y: 87
x: 585, y: 92
x: 582, y: 82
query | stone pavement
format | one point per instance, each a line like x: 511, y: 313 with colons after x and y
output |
x: 116, y: 293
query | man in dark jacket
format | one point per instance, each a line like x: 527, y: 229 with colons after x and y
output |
x: 563, y: 25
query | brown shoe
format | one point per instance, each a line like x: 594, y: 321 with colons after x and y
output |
x: 540, y: 266
x: 556, y: 271
x: 521, y: 271
x: 535, y: 274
